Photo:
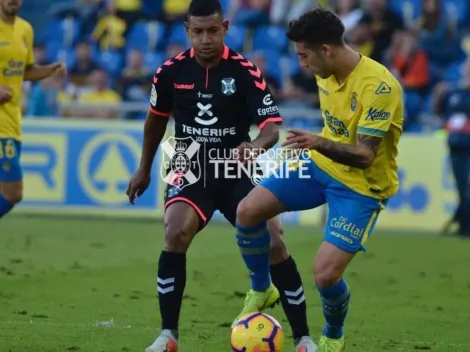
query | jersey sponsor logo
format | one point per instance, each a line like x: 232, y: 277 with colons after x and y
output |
x: 353, y: 101
x: 209, y: 135
x: 15, y: 68
x: 204, y: 95
x: 4, y: 43
x: 181, y: 161
x: 153, y: 96
x: 335, y: 125
x: 267, y: 100
x: 377, y: 115
x: 205, y: 110
x: 183, y: 86
x: 324, y: 91
x: 228, y: 86
x: 268, y: 111
x: 383, y: 88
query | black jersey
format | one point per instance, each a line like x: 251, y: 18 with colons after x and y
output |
x: 215, y: 106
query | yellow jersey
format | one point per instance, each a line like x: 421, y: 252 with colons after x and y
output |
x: 16, y: 53
x: 370, y: 102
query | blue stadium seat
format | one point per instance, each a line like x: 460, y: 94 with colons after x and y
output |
x: 410, y: 9
x: 458, y: 8
x: 55, y: 50
x: 178, y: 35
x: 236, y: 37
x: 152, y: 60
x: 65, y: 31
x: 111, y: 61
x: 145, y: 35
x: 294, y: 65
x: 302, y: 123
x: 270, y: 38
x: 152, y: 8
x: 225, y: 6
x: 453, y: 73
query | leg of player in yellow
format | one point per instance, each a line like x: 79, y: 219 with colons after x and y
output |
x: 329, y: 266
x: 11, y: 175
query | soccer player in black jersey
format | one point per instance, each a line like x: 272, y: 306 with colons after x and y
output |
x: 214, y: 95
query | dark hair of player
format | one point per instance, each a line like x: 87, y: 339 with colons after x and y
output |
x: 203, y: 8
x: 317, y: 27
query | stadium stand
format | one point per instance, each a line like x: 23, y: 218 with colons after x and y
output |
x: 416, y: 38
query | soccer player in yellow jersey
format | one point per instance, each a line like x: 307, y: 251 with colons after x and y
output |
x: 16, y: 65
x: 351, y: 165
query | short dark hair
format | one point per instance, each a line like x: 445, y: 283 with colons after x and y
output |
x: 317, y: 27
x: 202, y: 8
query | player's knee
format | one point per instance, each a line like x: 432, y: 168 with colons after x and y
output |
x: 326, y: 275
x: 177, y: 238
x: 245, y: 213
x: 13, y: 194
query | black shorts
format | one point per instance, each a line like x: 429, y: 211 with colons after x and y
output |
x: 207, y: 196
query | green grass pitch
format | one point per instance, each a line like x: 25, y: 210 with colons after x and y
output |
x: 62, y: 279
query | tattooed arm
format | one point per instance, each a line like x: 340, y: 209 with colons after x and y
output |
x: 360, y: 155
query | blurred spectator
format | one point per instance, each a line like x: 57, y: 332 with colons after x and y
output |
x: 350, y: 13
x: 174, y: 49
x: 110, y: 30
x: 302, y: 89
x: 260, y: 61
x: 100, y: 95
x: 84, y: 10
x: 128, y: 10
x: 175, y: 10
x: 135, y: 80
x: 46, y: 96
x: 250, y: 12
x: 373, y: 35
x: 438, y: 33
x: 83, y: 64
x: 452, y: 102
x: 410, y: 64
x: 283, y: 11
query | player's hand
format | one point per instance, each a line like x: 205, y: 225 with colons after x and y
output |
x: 5, y: 94
x: 138, y: 185
x: 245, y: 152
x: 59, y: 69
x: 298, y: 139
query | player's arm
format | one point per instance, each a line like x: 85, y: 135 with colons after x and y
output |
x: 361, y: 155
x: 264, y: 109
x: 35, y: 72
x: 161, y: 104
x: 373, y: 125
x: 38, y: 72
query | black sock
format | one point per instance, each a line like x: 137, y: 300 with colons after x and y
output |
x: 286, y: 278
x: 170, y: 283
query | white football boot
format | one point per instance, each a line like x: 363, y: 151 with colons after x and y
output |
x: 305, y: 344
x: 166, y: 342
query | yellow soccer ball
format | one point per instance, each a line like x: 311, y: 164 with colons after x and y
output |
x: 257, y: 332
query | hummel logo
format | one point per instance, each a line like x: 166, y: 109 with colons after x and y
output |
x: 184, y: 86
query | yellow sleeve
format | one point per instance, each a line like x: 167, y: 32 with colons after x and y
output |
x: 99, y: 29
x: 29, y: 37
x: 378, y: 107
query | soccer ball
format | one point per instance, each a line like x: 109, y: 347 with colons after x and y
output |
x: 257, y: 332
